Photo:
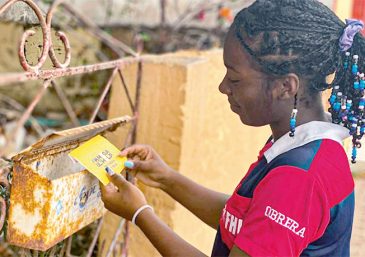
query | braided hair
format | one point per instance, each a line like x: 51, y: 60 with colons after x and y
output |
x: 302, y: 37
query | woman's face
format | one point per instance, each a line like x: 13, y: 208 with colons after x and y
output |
x: 248, y: 89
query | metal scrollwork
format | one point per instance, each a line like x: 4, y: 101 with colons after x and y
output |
x: 47, y: 39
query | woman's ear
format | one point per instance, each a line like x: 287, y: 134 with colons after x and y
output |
x: 286, y: 87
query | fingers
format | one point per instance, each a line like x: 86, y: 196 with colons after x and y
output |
x: 118, y: 180
x: 108, y: 189
x: 139, y: 150
x: 137, y: 165
x: 133, y: 173
x: 130, y: 164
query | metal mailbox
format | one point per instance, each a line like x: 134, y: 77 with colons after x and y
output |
x: 52, y: 196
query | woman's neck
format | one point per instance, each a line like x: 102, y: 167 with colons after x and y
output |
x: 281, y: 128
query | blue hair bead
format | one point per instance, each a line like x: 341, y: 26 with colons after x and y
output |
x: 293, y: 119
x: 362, y: 130
x: 353, y: 129
x: 354, y: 154
x: 293, y: 122
x: 348, y: 105
x: 356, y: 85
x: 362, y: 103
x: 362, y: 84
x: 355, y: 67
x: 332, y: 99
x: 337, y: 106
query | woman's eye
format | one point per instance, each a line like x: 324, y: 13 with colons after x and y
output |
x: 233, y: 80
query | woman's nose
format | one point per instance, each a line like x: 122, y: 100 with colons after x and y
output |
x: 224, y: 88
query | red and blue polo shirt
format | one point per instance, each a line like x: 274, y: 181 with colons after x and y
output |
x: 296, y: 200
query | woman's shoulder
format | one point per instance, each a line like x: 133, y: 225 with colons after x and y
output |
x: 324, y: 161
x: 305, y: 156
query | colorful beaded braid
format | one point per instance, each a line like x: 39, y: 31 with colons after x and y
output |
x: 293, y: 118
x: 348, y: 104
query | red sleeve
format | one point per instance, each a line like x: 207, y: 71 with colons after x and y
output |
x: 288, y: 211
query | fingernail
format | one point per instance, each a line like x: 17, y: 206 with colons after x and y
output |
x: 109, y: 171
x: 129, y: 164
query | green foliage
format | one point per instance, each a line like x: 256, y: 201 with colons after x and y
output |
x: 145, y: 37
x: 47, y: 1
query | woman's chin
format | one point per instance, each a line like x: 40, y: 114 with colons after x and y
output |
x: 250, y: 122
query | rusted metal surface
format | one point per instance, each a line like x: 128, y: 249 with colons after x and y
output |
x: 27, y: 113
x: 52, y: 196
x: 103, y: 95
x: 128, y: 95
x: 58, y: 141
x: 28, y: 216
x: 47, y: 39
x: 6, y: 79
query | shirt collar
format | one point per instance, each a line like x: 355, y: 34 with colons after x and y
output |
x: 305, y: 134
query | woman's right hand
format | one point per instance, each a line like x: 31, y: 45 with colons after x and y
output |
x: 146, y: 165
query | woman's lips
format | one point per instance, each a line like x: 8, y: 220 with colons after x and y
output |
x: 235, y: 108
x: 233, y: 104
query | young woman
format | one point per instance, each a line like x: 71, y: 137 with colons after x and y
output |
x: 298, y: 198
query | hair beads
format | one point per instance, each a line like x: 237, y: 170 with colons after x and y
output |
x: 348, y: 103
x: 309, y: 46
x: 293, y: 119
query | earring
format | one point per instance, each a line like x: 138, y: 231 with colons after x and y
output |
x: 293, y: 119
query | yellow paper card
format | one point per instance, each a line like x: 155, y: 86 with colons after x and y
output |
x: 96, y: 155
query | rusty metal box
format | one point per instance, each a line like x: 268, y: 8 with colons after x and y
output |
x: 52, y: 196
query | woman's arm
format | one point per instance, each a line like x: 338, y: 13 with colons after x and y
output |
x: 124, y: 199
x: 148, y: 167
x: 206, y: 204
x: 167, y: 242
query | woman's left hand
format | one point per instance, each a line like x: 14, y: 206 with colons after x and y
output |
x: 122, y: 197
